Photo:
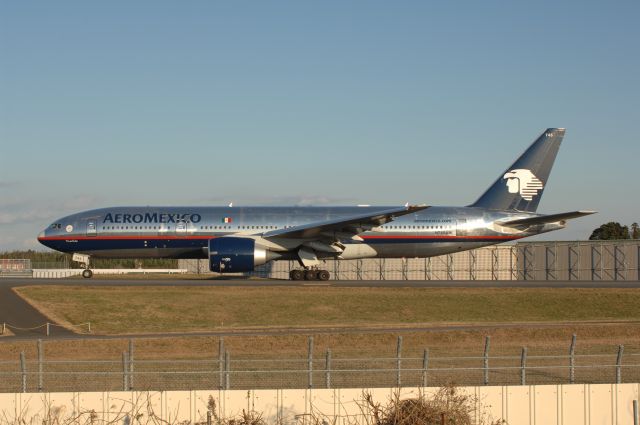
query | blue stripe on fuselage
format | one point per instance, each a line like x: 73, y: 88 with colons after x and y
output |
x: 99, y: 244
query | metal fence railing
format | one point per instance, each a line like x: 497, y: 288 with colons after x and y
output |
x: 558, y: 260
x: 15, y: 268
x: 315, y: 370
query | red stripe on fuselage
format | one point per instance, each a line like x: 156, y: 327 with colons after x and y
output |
x: 496, y: 237
x: 365, y: 237
x: 115, y: 237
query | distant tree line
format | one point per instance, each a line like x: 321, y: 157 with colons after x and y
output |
x: 41, y: 257
x: 614, y: 230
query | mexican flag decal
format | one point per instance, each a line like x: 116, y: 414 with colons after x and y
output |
x: 227, y: 220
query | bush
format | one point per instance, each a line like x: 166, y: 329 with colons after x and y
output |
x: 448, y: 406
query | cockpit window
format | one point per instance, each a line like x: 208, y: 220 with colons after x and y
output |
x: 56, y: 226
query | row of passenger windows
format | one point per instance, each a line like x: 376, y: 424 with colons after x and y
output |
x: 418, y: 227
x: 201, y: 227
x: 257, y: 227
x: 133, y: 227
x: 241, y: 227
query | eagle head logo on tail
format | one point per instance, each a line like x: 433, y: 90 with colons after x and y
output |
x: 524, y: 182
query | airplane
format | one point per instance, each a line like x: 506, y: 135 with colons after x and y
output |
x: 238, y: 239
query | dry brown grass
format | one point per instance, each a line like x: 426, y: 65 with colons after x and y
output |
x: 591, y: 339
x: 122, y: 310
x: 169, y: 309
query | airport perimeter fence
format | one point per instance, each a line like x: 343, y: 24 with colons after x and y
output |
x: 318, y: 370
x: 557, y: 260
x: 15, y: 267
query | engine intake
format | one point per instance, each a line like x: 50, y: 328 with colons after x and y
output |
x: 233, y: 255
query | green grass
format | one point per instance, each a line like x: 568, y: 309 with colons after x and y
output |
x: 113, y: 310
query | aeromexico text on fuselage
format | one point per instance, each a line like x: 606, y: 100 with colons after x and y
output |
x: 155, y: 217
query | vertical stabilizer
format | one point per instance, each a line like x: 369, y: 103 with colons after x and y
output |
x: 520, y: 186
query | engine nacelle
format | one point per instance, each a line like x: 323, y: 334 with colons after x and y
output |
x: 233, y: 255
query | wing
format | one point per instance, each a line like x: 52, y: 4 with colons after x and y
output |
x: 344, y: 227
x: 543, y: 219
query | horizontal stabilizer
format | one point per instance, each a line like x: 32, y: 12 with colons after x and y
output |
x: 544, y: 219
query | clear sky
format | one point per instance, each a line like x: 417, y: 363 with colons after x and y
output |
x: 332, y: 102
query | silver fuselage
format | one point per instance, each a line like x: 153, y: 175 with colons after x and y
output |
x: 184, y: 232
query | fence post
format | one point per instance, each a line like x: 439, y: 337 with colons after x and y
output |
x: 635, y: 413
x: 4, y: 328
x: 310, y: 362
x: 48, y: 328
x: 124, y: 371
x: 399, y: 362
x: 40, y: 366
x: 425, y: 366
x: 89, y: 327
x: 572, y: 360
x: 619, y: 364
x: 131, y: 364
x: 327, y: 368
x: 227, y: 367
x: 23, y: 368
x: 485, y: 365
x: 523, y: 366
x: 221, y: 362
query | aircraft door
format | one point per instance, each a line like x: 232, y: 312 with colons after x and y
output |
x: 181, y: 228
x: 92, y: 227
x: 461, y: 227
x: 184, y: 227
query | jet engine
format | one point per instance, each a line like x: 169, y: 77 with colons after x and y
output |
x: 234, y: 254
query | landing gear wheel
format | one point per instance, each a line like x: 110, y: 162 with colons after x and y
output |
x: 296, y: 275
x: 87, y: 274
x: 310, y: 275
x: 323, y: 275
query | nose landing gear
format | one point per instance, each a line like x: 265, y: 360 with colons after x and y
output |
x: 84, y: 263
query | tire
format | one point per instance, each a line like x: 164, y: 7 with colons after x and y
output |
x: 323, y: 275
x: 310, y: 275
x: 87, y: 274
x: 296, y: 275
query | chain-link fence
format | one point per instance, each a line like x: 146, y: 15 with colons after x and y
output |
x: 15, y: 267
x: 560, y: 260
x: 317, y: 370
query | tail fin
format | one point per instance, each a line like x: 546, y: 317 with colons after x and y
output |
x: 521, y: 186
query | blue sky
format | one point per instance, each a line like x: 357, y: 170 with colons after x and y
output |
x: 204, y: 103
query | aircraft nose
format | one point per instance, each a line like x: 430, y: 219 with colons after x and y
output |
x: 41, y: 235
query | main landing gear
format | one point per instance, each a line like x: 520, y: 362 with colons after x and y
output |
x: 309, y: 260
x: 309, y: 274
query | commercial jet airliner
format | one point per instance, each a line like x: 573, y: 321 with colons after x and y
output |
x: 237, y: 239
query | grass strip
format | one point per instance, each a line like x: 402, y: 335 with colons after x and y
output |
x: 117, y: 310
